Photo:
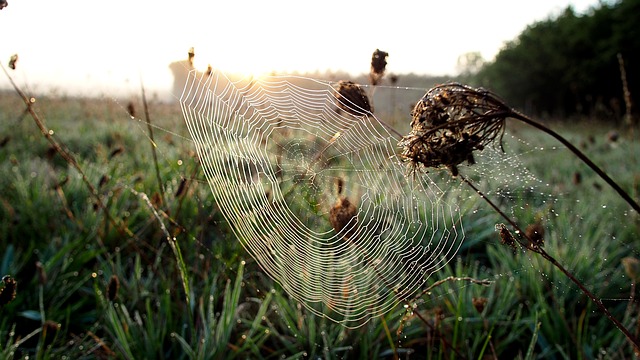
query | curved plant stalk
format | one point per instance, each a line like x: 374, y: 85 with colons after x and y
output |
x: 623, y: 194
x: 534, y: 246
x: 452, y: 121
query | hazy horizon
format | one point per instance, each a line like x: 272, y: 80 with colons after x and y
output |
x: 97, y: 50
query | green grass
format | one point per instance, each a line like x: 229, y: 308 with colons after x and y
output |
x: 233, y: 310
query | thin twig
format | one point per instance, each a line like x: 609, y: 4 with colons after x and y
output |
x: 554, y: 262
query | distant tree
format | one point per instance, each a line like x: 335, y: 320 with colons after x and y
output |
x: 568, y: 64
x: 469, y: 63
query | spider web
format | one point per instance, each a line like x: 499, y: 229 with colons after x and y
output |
x: 316, y: 192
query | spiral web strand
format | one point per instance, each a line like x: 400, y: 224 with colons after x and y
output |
x: 282, y: 156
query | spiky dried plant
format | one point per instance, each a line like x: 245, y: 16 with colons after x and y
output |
x: 449, y: 123
x: 378, y: 66
x: 351, y: 98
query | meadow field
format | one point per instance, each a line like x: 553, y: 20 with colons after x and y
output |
x: 120, y: 256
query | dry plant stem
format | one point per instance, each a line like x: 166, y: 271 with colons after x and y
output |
x: 67, y: 156
x: 554, y: 262
x: 153, y: 143
x: 518, y: 116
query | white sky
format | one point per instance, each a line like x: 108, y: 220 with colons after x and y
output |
x: 103, y: 46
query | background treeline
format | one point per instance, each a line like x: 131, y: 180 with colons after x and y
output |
x: 568, y: 65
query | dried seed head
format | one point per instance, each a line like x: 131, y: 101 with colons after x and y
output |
x: 576, y: 178
x: 449, y: 123
x: 42, y: 273
x: 479, y: 303
x: 181, y: 188
x: 339, y: 185
x: 8, y: 292
x: 505, y: 237
x: 104, y: 179
x: 352, y: 98
x: 156, y: 200
x: 191, y: 54
x: 117, y: 151
x: 112, y: 288
x: 344, y: 215
x: 535, y: 233
x: 378, y: 66
x: 131, y: 109
x: 13, y: 60
x: 632, y: 268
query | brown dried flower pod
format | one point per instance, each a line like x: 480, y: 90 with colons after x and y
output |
x: 351, y: 98
x: 449, y: 123
x: 343, y: 214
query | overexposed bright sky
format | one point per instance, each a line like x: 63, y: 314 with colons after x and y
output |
x: 103, y: 46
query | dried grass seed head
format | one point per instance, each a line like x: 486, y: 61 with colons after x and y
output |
x: 632, y: 268
x: 449, y: 123
x: 351, y: 98
x: 344, y: 215
x: 8, y: 291
x: 12, y: 61
x: 113, y: 287
x: 506, y: 238
x: 479, y: 303
x: 378, y: 66
x: 535, y: 234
